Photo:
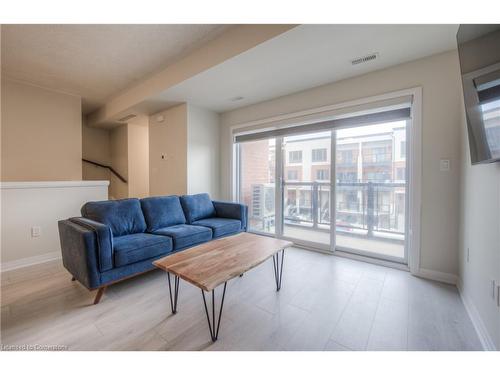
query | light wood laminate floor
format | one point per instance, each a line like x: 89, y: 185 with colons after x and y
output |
x: 326, y: 303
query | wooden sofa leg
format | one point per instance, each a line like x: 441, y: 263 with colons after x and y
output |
x: 73, y: 278
x: 99, y: 294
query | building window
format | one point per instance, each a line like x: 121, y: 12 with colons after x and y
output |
x: 402, y: 149
x: 292, y: 174
x: 380, y: 154
x: 322, y: 174
x: 400, y: 173
x: 346, y: 157
x: 318, y: 155
x: 295, y: 157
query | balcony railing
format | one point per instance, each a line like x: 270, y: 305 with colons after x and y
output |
x: 361, y: 207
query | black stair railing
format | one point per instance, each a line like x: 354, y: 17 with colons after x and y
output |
x: 120, y: 177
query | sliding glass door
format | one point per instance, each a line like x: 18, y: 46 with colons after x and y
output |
x: 286, y: 181
x: 371, y: 190
x: 306, y: 187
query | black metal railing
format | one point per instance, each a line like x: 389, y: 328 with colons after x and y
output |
x: 367, y: 206
x: 120, y: 177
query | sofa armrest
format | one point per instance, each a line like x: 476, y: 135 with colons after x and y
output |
x: 232, y: 210
x: 104, y: 238
x: 79, y: 253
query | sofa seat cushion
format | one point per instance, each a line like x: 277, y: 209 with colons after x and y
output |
x: 133, y: 248
x: 161, y: 212
x: 123, y: 216
x: 220, y: 226
x: 197, y: 207
x: 185, y: 235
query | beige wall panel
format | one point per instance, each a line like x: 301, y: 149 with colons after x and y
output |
x: 168, y: 138
x: 119, y: 161
x: 41, y: 134
x: 95, y: 147
x: 138, y: 157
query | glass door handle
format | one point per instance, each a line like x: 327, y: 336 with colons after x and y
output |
x: 498, y: 295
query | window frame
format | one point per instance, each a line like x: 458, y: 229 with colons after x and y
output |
x: 413, y: 156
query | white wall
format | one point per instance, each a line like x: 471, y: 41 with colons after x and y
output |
x: 480, y: 233
x: 28, y: 204
x: 203, y: 152
x: 439, y: 77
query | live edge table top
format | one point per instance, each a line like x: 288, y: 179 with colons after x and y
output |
x: 213, y: 263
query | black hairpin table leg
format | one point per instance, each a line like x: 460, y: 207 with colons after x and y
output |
x: 214, y: 323
x: 173, y: 302
x: 278, y: 268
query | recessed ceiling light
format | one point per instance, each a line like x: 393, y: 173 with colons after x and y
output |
x: 237, y: 98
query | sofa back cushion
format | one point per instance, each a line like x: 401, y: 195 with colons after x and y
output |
x: 123, y: 216
x: 161, y: 212
x: 197, y: 207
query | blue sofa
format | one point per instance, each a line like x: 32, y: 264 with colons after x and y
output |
x: 118, y: 239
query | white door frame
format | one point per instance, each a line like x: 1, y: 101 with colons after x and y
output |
x: 414, y: 163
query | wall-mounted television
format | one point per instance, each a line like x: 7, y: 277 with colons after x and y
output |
x: 479, y: 54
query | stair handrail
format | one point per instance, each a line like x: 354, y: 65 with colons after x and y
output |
x: 106, y: 166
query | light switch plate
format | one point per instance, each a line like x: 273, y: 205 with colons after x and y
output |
x: 36, y: 231
x: 444, y: 165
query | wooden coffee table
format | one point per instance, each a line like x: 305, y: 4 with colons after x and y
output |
x: 216, y: 262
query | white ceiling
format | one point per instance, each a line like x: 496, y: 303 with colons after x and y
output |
x: 305, y: 57
x: 96, y: 61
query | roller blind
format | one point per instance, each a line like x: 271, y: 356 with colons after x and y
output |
x: 489, y: 94
x: 488, y: 87
x: 396, y: 110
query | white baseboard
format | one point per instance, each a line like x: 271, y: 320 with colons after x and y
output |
x: 477, y: 322
x: 443, y: 277
x: 474, y: 316
x: 25, y: 262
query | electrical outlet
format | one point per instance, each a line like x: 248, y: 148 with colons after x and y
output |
x: 36, y: 231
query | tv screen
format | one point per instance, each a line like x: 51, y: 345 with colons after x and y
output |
x: 479, y: 54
